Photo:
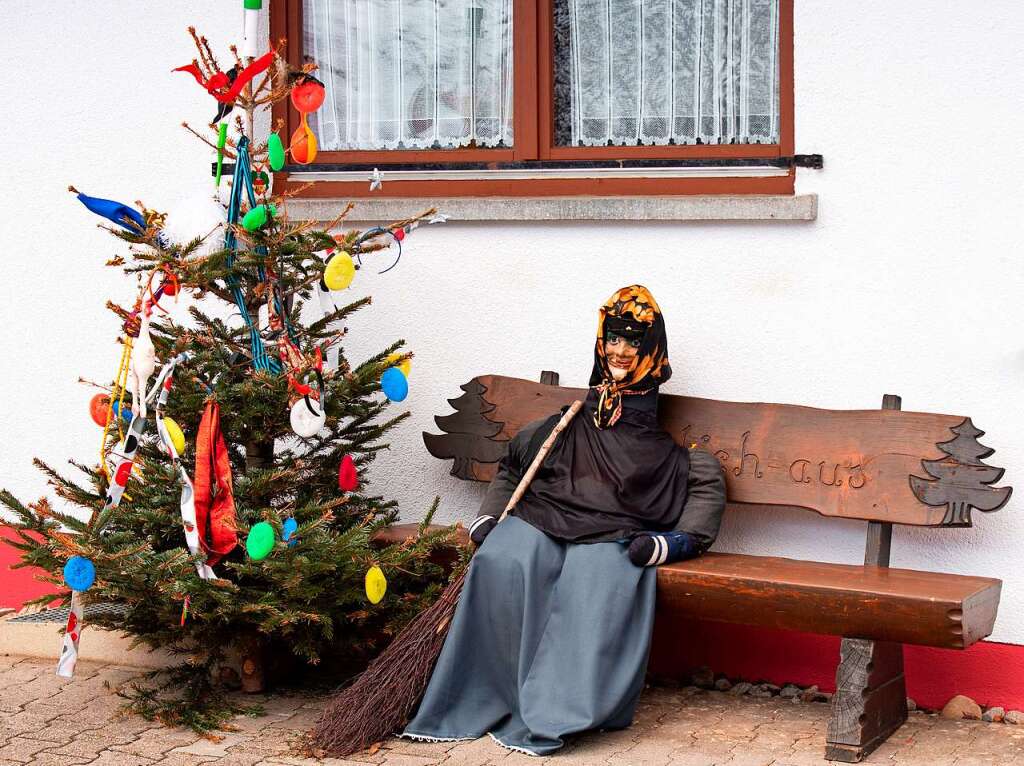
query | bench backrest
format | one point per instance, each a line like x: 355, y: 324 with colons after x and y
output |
x: 882, y: 465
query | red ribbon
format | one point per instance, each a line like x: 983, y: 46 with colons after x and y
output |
x: 214, y: 501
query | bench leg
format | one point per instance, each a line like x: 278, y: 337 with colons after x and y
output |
x: 870, y: 702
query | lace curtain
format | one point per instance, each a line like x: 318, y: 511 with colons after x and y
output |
x: 411, y: 74
x: 647, y: 71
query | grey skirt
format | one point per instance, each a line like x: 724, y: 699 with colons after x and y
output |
x: 548, y: 639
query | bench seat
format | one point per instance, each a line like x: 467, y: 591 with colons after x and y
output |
x: 927, y: 608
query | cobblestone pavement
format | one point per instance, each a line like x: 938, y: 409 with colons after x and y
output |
x: 48, y: 721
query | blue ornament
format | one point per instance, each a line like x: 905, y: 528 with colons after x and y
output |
x: 288, y: 531
x: 79, y: 573
x: 394, y: 384
x: 127, y: 414
x: 124, y: 216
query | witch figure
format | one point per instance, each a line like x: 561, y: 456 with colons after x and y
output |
x: 553, y: 628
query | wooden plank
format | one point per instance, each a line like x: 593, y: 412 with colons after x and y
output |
x: 862, y: 464
x: 870, y: 701
x: 901, y: 605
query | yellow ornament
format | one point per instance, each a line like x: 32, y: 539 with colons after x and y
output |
x: 405, y: 366
x: 177, y: 437
x: 376, y: 584
x: 339, y: 271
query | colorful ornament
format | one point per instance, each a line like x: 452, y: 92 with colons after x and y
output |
x: 72, y: 632
x: 275, y: 152
x: 303, y: 145
x: 394, y: 384
x: 405, y: 365
x: 260, y: 541
x: 250, y: 36
x: 307, y: 417
x: 376, y: 584
x: 348, y: 478
x: 142, y: 365
x: 124, y: 216
x: 79, y: 573
x: 221, y: 85
x: 260, y: 182
x: 399, y: 234
x: 99, y: 407
x: 222, y: 139
x: 125, y: 413
x: 288, y: 529
x: 339, y: 271
x: 258, y: 216
x: 308, y: 95
x: 177, y: 437
x: 214, y: 495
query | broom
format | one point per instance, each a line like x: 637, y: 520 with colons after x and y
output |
x: 381, y: 699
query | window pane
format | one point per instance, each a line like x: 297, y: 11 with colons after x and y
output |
x: 411, y: 74
x: 641, y: 72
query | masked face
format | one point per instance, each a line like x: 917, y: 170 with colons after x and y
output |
x: 621, y: 354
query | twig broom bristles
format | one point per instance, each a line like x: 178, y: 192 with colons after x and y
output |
x: 381, y: 699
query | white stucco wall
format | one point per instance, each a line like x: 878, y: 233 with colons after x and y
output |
x: 909, y: 282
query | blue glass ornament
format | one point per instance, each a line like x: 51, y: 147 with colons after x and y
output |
x: 394, y: 384
x: 79, y: 573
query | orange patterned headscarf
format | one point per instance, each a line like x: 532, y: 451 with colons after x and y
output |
x: 633, y: 303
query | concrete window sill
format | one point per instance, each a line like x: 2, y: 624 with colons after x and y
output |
x: 801, y: 207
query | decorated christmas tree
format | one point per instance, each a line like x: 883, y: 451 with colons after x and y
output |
x: 228, y: 518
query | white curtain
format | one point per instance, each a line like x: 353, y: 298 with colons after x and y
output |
x: 411, y: 74
x: 646, y: 71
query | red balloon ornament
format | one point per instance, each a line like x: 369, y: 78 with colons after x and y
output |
x: 348, y: 480
x: 99, y: 408
x: 308, y: 95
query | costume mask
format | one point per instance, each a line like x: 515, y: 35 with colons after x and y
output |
x: 630, y: 314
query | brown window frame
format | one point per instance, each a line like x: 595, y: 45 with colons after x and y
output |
x: 533, y: 128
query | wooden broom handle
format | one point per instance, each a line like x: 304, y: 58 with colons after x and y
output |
x: 541, y: 454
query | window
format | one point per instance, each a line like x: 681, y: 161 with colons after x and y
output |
x: 546, y: 97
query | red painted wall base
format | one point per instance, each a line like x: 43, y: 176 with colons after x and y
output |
x: 990, y: 673
x: 17, y: 585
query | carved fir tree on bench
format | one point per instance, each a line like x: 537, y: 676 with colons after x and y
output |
x: 855, y: 464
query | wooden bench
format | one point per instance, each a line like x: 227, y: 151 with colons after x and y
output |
x: 882, y: 466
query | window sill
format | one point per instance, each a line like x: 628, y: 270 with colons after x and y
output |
x: 801, y: 207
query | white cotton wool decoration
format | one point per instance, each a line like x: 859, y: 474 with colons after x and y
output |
x: 198, y: 215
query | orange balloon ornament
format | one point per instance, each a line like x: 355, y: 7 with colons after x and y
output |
x: 303, y: 144
x: 307, y: 95
x: 99, y: 409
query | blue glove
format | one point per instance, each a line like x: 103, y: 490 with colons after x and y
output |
x: 653, y: 549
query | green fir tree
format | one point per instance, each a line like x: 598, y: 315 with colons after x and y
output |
x: 304, y: 606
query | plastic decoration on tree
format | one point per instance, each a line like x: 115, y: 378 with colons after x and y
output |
x: 348, y: 478
x: 175, y: 434
x: 72, y: 633
x: 123, y: 215
x: 275, y: 152
x: 260, y: 541
x: 79, y: 573
x: 187, y: 502
x: 142, y: 365
x: 405, y: 365
x: 394, y: 385
x: 339, y: 271
x: 376, y: 584
x: 250, y: 36
x: 288, y: 529
x: 307, y: 417
x: 214, y: 495
x: 99, y: 409
x: 222, y: 138
x: 307, y: 96
x: 258, y: 216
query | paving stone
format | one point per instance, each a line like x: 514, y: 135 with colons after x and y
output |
x: 55, y: 759
x: 111, y: 758
x: 413, y: 747
x: 21, y: 749
x: 185, y: 759
x: 210, y: 748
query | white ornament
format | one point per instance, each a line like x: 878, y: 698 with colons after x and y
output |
x: 199, y: 215
x: 142, y: 365
x: 306, y: 422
